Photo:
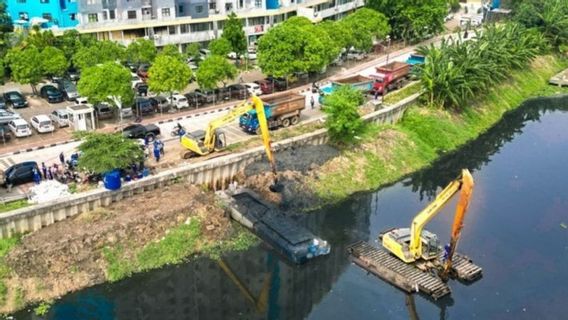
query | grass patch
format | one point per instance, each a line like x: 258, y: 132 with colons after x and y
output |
x: 43, y: 308
x: 240, y: 239
x: 13, y: 205
x: 118, y: 266
x: 5, y: 246
x: 399, y: 95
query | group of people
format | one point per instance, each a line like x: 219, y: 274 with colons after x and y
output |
x: 64, y: 171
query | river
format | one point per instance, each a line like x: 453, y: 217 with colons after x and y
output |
x: 516, y: 229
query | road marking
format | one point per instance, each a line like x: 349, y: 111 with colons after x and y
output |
x: 6, y: 162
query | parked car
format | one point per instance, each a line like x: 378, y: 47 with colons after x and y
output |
x: 160, y: 104
x: 195, y: 99
x: 20, y: 173
x: 142, y: 106
x: 51, y: 94
x: 125, y: 112
x: 222, y: 94
x: 132, y: 66
x: 267, y: 87
x: 20, y: 128
x: 2, y: 103
x: 60, y: 117
x: 238, y: 91
x: 42, y: 124
x: 253, y: 88
x: 135, y: 80
x: 5, y: 134
x: 204, y: 53
x: 143, y: 71
x: 178, y: 101
x: 209, y: 95
x: 68, y: 89
x: 251, y: 54
x: 7, y: 116
x: 16, y: 99
x: 103, y: 111
x: 141, y: 89
x: 138, y: 131
x: 74, y: 74
x: 357, y: 55
x: 232, y: 55
x: 81, y: 100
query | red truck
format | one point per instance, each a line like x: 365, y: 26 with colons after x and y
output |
x: 390, y: 76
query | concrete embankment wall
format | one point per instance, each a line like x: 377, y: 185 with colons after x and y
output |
x: 216, y: 173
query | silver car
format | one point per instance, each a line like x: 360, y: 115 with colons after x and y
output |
x: 7, y: 116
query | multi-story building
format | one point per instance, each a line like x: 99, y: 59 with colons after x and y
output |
x: 181, y: 22
x: 46, y: 13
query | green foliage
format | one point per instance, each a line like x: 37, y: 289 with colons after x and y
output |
x: 40, y: 39
x: 25, y: 65
x: 72, y: 40
x: 365, y: 24
x: 239, y: 240
x: 179, y: 243
x: 6, y: 25
x: 456, y: 71
x: 343, y: 120
x: 550, y: 17
x: 53, y: 61
x: 296, y: 45
x: 118, y: 267
x: 13, y: 205
x: 103, y: 152
x: 6, y: 245
x: 109, y: 82
x: 192, y: 51
x: 213, y: 70
x: 399, y: 95
x: 43, y: 308
x: 172, y: 51
x: 220, y: 47
x: 339, y: 33
x: 234, y: 32
x: 141, y: 51
x: 168, y: 74
x: 97, y: 53
x: 412, y: 20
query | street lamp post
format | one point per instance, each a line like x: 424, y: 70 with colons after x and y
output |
x: 388, y: 38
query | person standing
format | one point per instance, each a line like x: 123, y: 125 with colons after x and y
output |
x: 312, y: 102
x: 44, y: 170
x: 37, y: 177
x: 62, y: 159
x: 376, y: 94
x: 157, y: 153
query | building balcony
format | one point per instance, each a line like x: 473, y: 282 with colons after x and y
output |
x: 257, y: 29
x: 340, y: 8
x: 122, y: 22
x: 165, y: 39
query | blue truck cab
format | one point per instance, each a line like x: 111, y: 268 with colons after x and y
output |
x: 415, y: 59
x: 249, y: 121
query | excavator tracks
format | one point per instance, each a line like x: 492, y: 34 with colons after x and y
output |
x: 410, y: 277
x: 402, y: 275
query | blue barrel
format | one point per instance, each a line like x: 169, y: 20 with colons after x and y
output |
x: 272, y: 4
x: 112, y: 180
x: 496, y: 4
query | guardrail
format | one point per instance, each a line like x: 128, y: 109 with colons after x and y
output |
x: 215, y: 173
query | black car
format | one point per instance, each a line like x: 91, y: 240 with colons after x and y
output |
x: 223, y: 94
x: 20, y: 173
x: 142, y: 106
x: 209, y: 95
x: 160, y: 104
x: 138, y: 131
x: 238, y: 91
x: 51, y: 94
x: 16, y: 99
x: 279, y: 83
x: 195, y: 99
x: 141, y: 89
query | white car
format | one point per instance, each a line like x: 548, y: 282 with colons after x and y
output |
x: 253, y: 88
x: 20, y: 128
x: 81, y: 100
x: 135, y: 80
x: 42, y: 123
x: 178, y: 101
x: 353, y: 54
x: 251, y: 54
x: 60, y: 117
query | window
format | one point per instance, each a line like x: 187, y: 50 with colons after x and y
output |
x: 221, y: 24
x: 184, y: 28
x: 198, y: 27
x: 256, y: 21
x: 278, y: 18
x: 105, y: 15
x: 212, y: 6
x: 165, y: 12
x: 172, y: 29
x: 24, y: 16
x: 43, y: 1
x: 112, y: 14
x: 180, y: 9
x: 199, y: 9
x: 131, y: 14
x: 47, y: 16
x: 258, y: 3
x: 93, y: 17
x: 72, y: 17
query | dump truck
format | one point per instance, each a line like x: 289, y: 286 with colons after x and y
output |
x: 390, y: 76
x: 415, y: 59
x: 281, y: 110
x: 359, y: 82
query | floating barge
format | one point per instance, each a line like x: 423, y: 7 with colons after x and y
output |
x: 416, y: 277
x: 285, y: 236
x: 560, y: 79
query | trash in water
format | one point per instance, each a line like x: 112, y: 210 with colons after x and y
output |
x: 563, y: 225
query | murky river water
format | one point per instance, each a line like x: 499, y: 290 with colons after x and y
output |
x: 516, y: 230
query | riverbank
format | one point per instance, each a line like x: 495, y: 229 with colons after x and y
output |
x: 388, y: 153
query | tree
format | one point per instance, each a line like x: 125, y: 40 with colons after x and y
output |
x: 53, y: 62
x: 103, y: 152
x: 141, y: 51
x: 343, y: 120
x: 339, y: 34
x: 550, y: 17
x: 98, y: 53
x: 192, y: 51
x: 41, y: 39
x: 72, y: 40
x: 234, y: 32
x: 168, y: 74
x: 295, y: 46
x: 109, y: 82
x: 220, y: 47
x: 214, y: 69
x: 25, y: 65
x: 172, y: 51
x: 365, y: 24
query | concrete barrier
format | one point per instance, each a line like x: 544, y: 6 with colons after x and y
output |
x: 215, y: 173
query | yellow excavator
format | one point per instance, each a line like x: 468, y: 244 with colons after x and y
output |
x: 204, y: 142
x: 415, y: 243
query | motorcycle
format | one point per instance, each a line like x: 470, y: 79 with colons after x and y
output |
x: 178, y: 130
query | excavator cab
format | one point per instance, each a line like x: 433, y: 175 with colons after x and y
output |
x: 220, y: 140
x: 398, y: 240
